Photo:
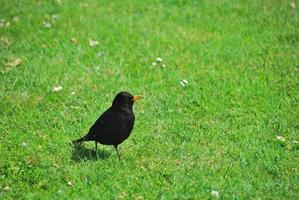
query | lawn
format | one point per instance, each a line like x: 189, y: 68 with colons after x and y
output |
x: 229, y: 131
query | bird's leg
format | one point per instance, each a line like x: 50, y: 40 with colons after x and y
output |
x: 115, y: 146
x: 96, y: 144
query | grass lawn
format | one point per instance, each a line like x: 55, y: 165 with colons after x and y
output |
x: 231, y: 132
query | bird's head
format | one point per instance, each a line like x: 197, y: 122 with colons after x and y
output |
x: 125, y: 100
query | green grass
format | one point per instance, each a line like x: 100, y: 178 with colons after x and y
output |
x: 241, y: 59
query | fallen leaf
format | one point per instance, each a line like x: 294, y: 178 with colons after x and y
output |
x: 2, y: 23
x: 5, y: 41
x: 74, y: 41
x: 14, y: 63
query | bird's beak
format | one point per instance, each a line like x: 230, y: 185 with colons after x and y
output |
x: 137, y: 97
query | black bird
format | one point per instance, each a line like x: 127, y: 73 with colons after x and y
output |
x: 115, y: 124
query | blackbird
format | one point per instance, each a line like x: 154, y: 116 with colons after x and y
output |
x: 115, y: 124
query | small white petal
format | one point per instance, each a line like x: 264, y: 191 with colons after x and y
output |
x: 6, y: 188
x: 16, y: 18
x: 215, y: 193
x: 159, y: 59
x: 97, y: 68
x: 93, y: 43
x: 154, y: 63
x: 182, y: 83
x: 163, y: 65
x: 185, y: 81
x: 69, y: 183
x: 55, y: 16
x: 73, y: 93
x: 24, y: 144
x: 47, y: 24
x: 280, y: 138
x: 293, y: 5
x: 57, y: 88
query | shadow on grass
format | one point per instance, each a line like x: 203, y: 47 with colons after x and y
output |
x: 81, y: 153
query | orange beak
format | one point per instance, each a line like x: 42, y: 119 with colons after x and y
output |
x: 137, y: 97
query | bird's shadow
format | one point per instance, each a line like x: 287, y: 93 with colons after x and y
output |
x: 81, y: 153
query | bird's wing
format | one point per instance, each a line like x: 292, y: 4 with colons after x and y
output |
x: 104, y: 125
